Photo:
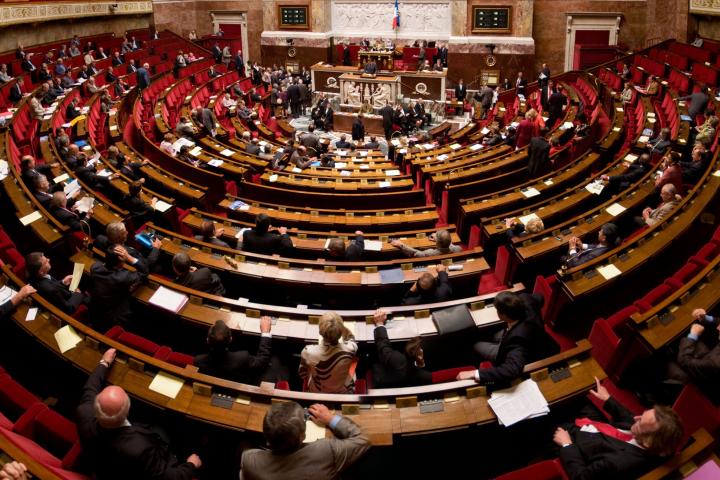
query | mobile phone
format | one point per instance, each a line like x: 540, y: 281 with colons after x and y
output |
x: 306, y: 414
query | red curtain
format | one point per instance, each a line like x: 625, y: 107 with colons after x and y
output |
x: 592, y: 37
x: 231, y: 29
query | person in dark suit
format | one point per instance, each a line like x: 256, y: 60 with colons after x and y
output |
x: 556, y: 102
x: 698, y: 103
x: 116, y: 234
x: 41, y: 188
x: 524, y: 340
x: 53, y: 290
x: 293, y: 93
x: 661, y: 143
x: 634, y: 172
x: 342, y: 143
x: 346, y: 55
x: 520, y: 84
x: 370, y: 67
x: 217, y: 53
x: 351, y: 253
x: 16, y: 93
x: 394, y: 369
x: 261, y: 240
x: 132, y: 68
x: 429, y: 289
x: 117, y: 448
x: 210, y: 234
x: 240, y: 63
x: 72, y: 219
x: 358, y: 129
x: 205, y: 117
x: 626, y: 448
x: 29, y: 170
x: 698, y: 358
x: 538, y: 154
x: 311, y: 141
x: 89, y: 176
x: 239, y: 366
x: 72, y: 111
x: 693, y: 170
x: 143, y: 76
x: 544, y: 83
x: 387, y: 119
x: 111, y: 286
x: 442, y: 55
x: 460, y: 91
x: 8, y: 307
x: 139, y: 209
x: 198, y: 278
x: 329, y: 119
x: 581, y: 253
x: 372, y: 144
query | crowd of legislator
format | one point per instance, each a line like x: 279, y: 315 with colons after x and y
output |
x: 589, y: 447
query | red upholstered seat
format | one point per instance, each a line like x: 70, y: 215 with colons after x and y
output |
x: 179, y: 359
x: 449, y: 374
x: 545, y: 470
x: 697, y: 411
x: 653, y: 297
x: 474, y: 239
x: 14, y: 258
x: 33, y: 449
x: 14, y: 398
x: 133, y: 341
x: 498, y: 279
x: 685, y: 273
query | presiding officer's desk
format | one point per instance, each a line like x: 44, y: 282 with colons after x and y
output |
x: 381, y: 414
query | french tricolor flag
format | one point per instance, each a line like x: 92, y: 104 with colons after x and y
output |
x: 396, y: 17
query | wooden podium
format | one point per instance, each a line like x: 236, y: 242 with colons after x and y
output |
x: 383, y: 58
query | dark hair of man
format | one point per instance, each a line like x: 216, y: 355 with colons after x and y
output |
x: 610, y: 230
x: 33, y: 263
x: 510, y: 305
x: 412, y: 347
x: 262, y: 223
x: 666, y: 440
x: 134, y: 189
x: 284, y: 427
x: 207, y: 229
x: 112, y: 260
x: 336, y: 247
x: 219, y: 337
x: 25, y: 163
x: 181, y: 263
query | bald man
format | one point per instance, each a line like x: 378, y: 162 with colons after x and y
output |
x: 117, y: 448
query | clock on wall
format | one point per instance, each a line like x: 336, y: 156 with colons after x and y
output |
x: 292, y: 52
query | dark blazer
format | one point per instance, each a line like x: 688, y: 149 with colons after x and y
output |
x: 353, y: 252
x: 538, y: 156
x: 460, y: 92
x: 88, y: 176
x: 44, y: 198
x: 110, y: 294
x: 6, y: 309
x: 701, y: 365
x: 692, y: 171
x: 584, y: 256
x: 698, y: 103
x: 58, y: 294
x: 387, y: 116
x: 594, y: 456
x: 143, y: 78
x: 133, y: 451
x: 238, y: 366
x: 393, y: 369
x: 346, y: 56
x: 68, y: 217
x: 207, y: 120
x: 358, y: 130
x: 633, y: 173
x: 441, y: 293
x: 15, y: 94
x: 341, y: 144
x: 71, y: 112
x: 138, y: 207
x: 204, y: 280
x: 266, y: 243
x: 520, y: 86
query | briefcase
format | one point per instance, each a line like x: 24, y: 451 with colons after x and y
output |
x: 453, y: 319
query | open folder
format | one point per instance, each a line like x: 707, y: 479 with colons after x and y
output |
x: 521, y: 402
x: 169, y: 300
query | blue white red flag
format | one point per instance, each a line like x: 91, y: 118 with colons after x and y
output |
x: 396, y: 17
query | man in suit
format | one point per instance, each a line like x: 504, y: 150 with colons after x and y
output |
x: 442, y: 55
x: 520, y: 84
x: 524, y: 340
x: 346, y: 55
x: 217, y: 53
x: 205, y: 117
x: 16, y: 93
x: 261, y: 240
x: 29, y: 170
x: 116, y: 447
x: 67, y: 216
x: 116, y: 234
x: 310, y: 140
x: 370, y: 67
x: 538, y: 154
x: 635, y: 171
x: 342, y: 143
x: 288, y: 457
x: 41, y: 186
x: 240, y: 64
x: 429, y: 288
x: 143, y: 76
x: 555, y: 105
x: 460, y: 91
x: 544, y: 83
x: 253, y: 147
x: 304, y: 95
x: 293, y: 93
x: 53, y: 290
x: 581, y: 253
x: 387, y: 116
x: 111, y: 286
x: 197, y: 278
x: 239, y: 366
x: 131, y: 67
x: 693, y: 170
x: 89, y: 176
x: 8, y: 306
x: 373, y: 143
x: 698, y: 358
x: 329, y: 118
x: 626, y: 448
x: 210, y: 234
x: 394, y: 369
x: 670, y: 201
x: 351, y: 253
x: 358, y: 129
x: 698, y: 103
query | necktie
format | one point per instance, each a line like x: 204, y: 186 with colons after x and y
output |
x: 605, y: 429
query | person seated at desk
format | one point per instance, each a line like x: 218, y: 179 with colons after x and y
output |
x: 138, y: 208
x: 4, y: 75
x: 580, y: 252
x: 698, y: 357
x: 266, y: 153
x: 185, y: 128
x: 706, y: 131
x: 261, y: 240
x: 438, y: 67
x: 634, y: 172
x: 51, y: 289
x: 70, y: 217
x: 693, y: 170
x: 351, y: 253
x: 516, y: 228
x: 116, y: 234
x: 210, y: 234
x: 89, y: 176
x: 288, y: 457
x: 72, y: 112
x: 201, y: 279
x: 29, y: 170
x: 253, y: 146
x: 9, y: 306
x: 167, y: 144
x: 41, y: 188
x: 184, y: 156
x: 629, y: 446
x: 661, y: 143
x: 522, y: 341
x: 443, y: 246
x: 669, y: 202
x: 652, y: 87
x: 373, y: 144
x: 671, y: 172
x: 424, y: 66
x: 342, y: 143
x: 326, y: 367
x: 300, y: 159
x: 429, y: 288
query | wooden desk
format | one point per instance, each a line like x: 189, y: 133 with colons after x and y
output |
x: 343, y: 122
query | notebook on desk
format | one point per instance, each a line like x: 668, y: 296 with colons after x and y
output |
x: 453, y: 319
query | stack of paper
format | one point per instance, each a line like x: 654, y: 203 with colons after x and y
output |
x: 161, y: 206
x: 85, y: 204
x: 313, y: 432
x: 521, y: 402
x: 595, y: 187
x: 67, y: 338
x: 226, y: 153
x: 169, y: 300
x: 477, y: 146
x: 373, y: 245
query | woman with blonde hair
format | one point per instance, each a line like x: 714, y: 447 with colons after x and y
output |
x: 326, y: 366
